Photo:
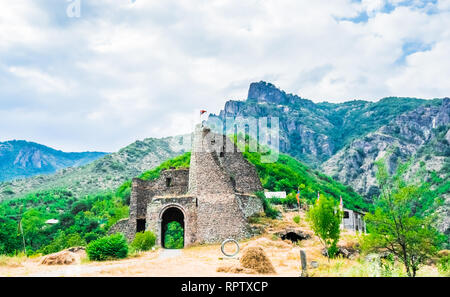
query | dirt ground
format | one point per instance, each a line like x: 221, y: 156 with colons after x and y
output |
x: 204, y: 260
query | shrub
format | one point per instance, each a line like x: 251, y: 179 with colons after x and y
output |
x: 108, y: 248
x: 144, y: 241
x: 296, y: 219
x: 268, y: 209
x: 444, y: 264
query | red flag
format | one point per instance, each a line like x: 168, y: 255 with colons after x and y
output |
x: 341, y: 204
x: 298, y: 197
x: 202, y: 112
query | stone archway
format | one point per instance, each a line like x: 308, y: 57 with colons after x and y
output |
x: 168, y: 215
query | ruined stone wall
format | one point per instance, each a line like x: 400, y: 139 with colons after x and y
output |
x: 244, y: 173
x: 220, y: 217
x: 138, y: 199
x: 142, y: 193
x: 218, y: 153
x: 250, y: 205
x: 179, y: 181
x: 187, y: 204
x: 122, y: 226
x: 206, y: 176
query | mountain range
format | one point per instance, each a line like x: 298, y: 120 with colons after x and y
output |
x: 342, y: 140
x: 104, y: 173
x: 314, y: 132
x: 21, y: 159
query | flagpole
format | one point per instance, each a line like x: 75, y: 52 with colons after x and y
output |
x: 201, y: 114
x: 23, y: 237
x: 21, y: 229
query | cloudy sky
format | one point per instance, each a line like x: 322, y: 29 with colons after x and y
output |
x: 131, y: 69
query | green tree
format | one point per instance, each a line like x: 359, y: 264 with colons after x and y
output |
x: 174, y: 237
x: 33, y: 222
x: 397, y: 225
x: 10, y: 239
x: 325, y: 219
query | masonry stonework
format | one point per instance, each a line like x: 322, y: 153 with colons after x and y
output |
x: 213, y: 199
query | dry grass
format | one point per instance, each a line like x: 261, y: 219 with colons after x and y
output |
x: 12, y: 262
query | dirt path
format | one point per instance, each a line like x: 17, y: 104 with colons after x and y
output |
x: 167, y: 254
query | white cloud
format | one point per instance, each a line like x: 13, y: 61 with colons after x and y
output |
x: 426, y: 74
x: 132, y: 70
x: 17, y: 24
x: 40, y: 81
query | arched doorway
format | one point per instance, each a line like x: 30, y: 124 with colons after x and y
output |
x: 172, y: 228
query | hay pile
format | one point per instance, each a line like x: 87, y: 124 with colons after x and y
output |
x: 253, y: 261
x: 254, y: 258
x: 61, y: 258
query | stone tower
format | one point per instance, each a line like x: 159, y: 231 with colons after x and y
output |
x: 212, y: 200
x: 223, y: 182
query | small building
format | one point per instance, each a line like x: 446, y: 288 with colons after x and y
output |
x: 279, y: 195
x: 353, y: 220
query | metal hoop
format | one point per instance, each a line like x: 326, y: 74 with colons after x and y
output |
x: 223, y: 247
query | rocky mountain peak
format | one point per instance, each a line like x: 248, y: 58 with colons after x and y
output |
x: 265, y: 92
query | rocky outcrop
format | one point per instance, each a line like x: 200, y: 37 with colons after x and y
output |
x: 420, y: 135
x: 311, y: 132
x: 400, y: 140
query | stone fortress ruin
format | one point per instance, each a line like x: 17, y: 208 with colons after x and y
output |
x: 212, y: 200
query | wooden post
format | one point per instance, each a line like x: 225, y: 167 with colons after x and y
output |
x: 304, y: 264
